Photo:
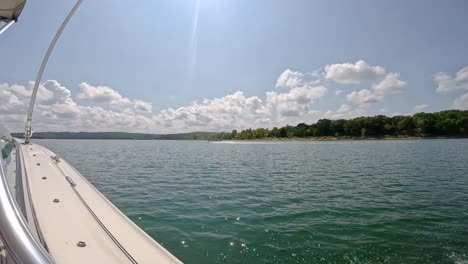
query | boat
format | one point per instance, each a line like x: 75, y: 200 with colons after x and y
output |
x: 49, y: 212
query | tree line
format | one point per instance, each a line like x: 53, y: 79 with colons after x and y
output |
x: 450, y: 123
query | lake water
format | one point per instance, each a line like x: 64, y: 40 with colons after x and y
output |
x: 288, y: 202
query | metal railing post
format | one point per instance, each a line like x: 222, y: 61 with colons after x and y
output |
x: 6, y: 26
x: 28, y: 128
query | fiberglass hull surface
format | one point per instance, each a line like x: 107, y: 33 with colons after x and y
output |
x: 69, y: 210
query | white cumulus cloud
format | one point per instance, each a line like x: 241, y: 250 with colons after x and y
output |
x: 59, y: 93
x: 9, y: 102
x: 225, y: 113
x: 293, y: 79
x: 341, y: 112
x: 101, y: 108
x: 348, y: 73
x: 56, y: 111
x: 101, y: 94
x: 363, y: 96
x: 390, y: 84
x: 345, y: 112
x: 448, y: 83
x: 48, y: 92
x: 461, y: 102
x: 290, y: 79
x: 420, y: 107
x: 359, y: 72
x: 143, y: 106
x: 106, y: 95
x: 295, y: 102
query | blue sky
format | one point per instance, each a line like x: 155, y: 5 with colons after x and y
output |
x: 180, y: 65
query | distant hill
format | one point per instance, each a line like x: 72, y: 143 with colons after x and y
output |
x: 124, y: 136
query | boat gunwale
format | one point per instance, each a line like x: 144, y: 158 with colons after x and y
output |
x: 16, y: 236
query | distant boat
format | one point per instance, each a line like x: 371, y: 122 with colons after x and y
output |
x: 49, y: 212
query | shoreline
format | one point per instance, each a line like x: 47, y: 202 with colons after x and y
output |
x: 330, y: 138
x: 325, y: 138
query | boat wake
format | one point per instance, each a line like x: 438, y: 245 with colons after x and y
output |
x: 239, y: 142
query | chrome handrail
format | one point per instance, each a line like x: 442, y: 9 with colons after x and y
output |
x: 21, y: 245
x: 6, y: 26
x: 28, y: 128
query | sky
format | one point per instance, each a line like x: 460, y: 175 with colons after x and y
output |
x: 170, y: 66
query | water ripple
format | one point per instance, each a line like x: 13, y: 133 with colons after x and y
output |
x: 288, y: 202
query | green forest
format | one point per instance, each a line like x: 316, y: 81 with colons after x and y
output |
x: 449, y: 123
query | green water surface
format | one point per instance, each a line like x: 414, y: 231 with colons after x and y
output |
x: 288, y: 202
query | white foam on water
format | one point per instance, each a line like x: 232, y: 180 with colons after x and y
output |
x: 241, y: 142
x: 459, y: 259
